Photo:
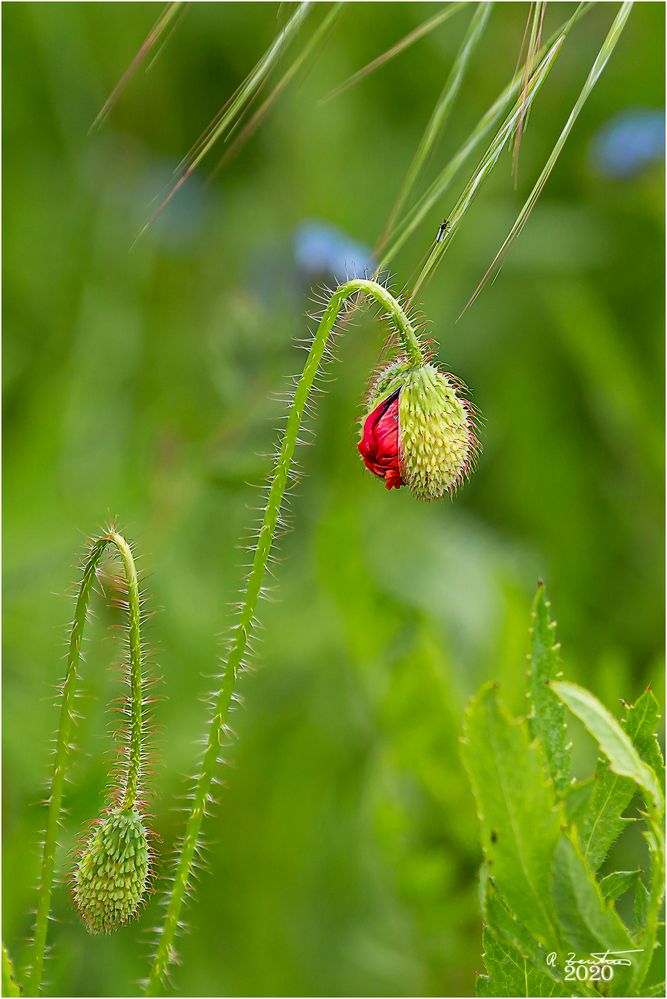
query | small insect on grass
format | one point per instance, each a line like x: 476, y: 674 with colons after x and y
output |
x: 442, y: 230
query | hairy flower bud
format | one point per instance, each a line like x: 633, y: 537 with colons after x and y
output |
x: 418, y: 432
x: 111, y: 877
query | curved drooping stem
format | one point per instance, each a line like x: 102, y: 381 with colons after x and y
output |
x: 135, y: 747
x: 243, y: 629
x: 66, y: 725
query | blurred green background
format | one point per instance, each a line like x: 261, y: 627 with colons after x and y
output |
x: 343, y: 858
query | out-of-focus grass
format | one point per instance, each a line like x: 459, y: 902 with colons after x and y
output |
x: 343, y: 857
x: 442, y: 109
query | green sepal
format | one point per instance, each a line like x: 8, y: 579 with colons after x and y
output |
x: 437, y: 444
x: 386, y: 381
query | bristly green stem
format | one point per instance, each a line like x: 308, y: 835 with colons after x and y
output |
x: 66, y: 725
x: 233, y: 662
x: 136, y: 678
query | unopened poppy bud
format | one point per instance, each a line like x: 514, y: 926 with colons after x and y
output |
x: 111, y: 878
x: 419, y: 432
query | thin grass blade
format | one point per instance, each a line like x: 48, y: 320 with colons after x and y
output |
x: 166, y: 21
x: 308, y: 48
x: 406, y: 42
x: 488, y: 161
x: 601, y: 60
x: 228, y: 117
x: 536, y: 19
x: 441, y: 111
x: 488, y: 121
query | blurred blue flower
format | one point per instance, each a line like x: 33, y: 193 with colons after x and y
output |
x: 322, y: 250
x: 629, y: 143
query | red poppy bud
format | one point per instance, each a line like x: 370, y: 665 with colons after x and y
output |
x: 379, y: 443
x: 420, y: 432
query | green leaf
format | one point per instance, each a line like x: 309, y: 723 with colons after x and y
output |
x: 510, y: 974
x: 616, y: 884
x: 10, y: 986
x: 641, y: 725
x: 587, y: 923
x: 520, y: 821
x: 578, y: 799
x: 509, y: 931
x: 547, y: 721
x: 613, y: 741
x: 603, y: 823
x: 648, y: 904
x: 642, y: 897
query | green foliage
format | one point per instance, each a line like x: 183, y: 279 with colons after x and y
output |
x: 544, y: 836
x: 603, y: 820
x: 617, y: 883
x: 588, y: 924
x: 140, y: 383
x: 519, y: 817
x: 521, y: 950
x: 617, y: 745
x: 510, y: 973
x: 547, y: 718
x: 641, y: 724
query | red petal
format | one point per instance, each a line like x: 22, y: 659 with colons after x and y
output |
x: 379, y: 443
